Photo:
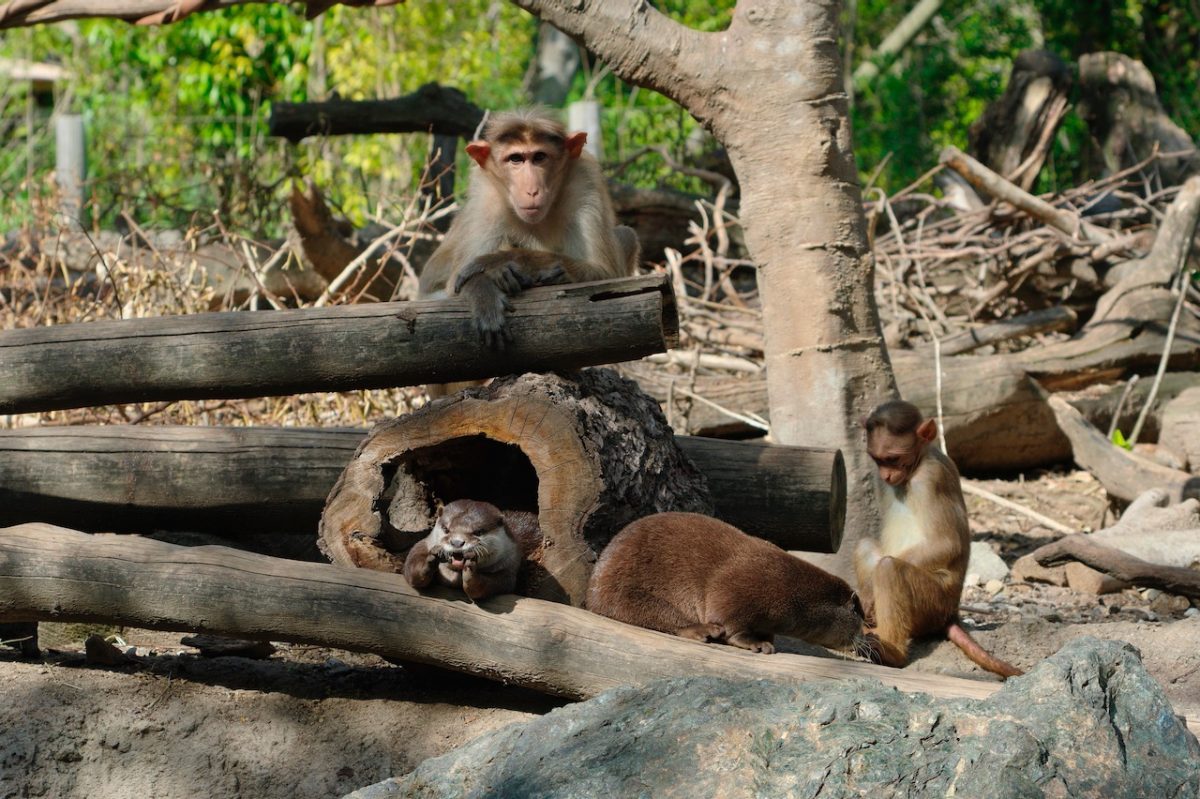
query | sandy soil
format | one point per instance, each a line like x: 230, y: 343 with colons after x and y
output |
x: 318, y: 723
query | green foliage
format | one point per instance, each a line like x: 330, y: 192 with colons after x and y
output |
x: 1118, y: 438
x: 961, y: 62
x: 177, y: 114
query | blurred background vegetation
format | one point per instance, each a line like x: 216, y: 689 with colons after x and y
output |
x: 176, y: 116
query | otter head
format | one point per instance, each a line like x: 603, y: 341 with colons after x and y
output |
x: 837, y: 623
x: 466, y: 530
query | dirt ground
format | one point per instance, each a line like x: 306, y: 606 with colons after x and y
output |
x: 310, y: 722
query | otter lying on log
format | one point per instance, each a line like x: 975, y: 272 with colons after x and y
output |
x: 700, y: 578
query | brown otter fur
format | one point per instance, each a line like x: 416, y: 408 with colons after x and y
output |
x: 700, y: 578
x: 472, y: 546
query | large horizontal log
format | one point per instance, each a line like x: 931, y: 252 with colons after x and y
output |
x: 251, y: 354
x: 431, y: 108
x: 275, y: 480
x: 53, y: 574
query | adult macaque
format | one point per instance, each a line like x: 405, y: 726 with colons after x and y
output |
x: 537, y: 212
x: 910, y: 580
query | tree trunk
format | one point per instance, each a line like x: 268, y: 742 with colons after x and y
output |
x: 1014, y: 134
x: 239, y: 354
x: 53, y: 574
x: 777, y: 69
x: 1119, y: 100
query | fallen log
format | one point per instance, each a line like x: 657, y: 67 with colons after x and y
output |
x: 431, y: 108
x: 588, y: 454
x: 239, y: 354
x: 275, y: 480
x: 1119, y: 565
x: 1059, y: 317
x: 1124, y: 475
x: 49, y: 573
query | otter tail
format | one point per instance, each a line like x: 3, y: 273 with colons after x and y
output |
x: 977, y: 654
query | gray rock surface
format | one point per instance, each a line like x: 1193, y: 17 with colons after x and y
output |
x: 986, y: 563
x: 1086, y: 722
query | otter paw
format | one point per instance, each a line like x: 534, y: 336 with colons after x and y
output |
x: 710, y: 632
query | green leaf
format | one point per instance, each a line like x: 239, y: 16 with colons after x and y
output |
x: 1118, y: 438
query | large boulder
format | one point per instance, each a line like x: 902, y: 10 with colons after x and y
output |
x: 1087, y: 722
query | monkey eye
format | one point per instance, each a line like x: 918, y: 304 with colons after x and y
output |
x: 516, y: 158
x: 540, y: 157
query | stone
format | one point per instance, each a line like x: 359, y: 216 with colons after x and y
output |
x: 986, y: 563
x: 1089, y: 581
x: 993, y: 587
x: 1029, y: 570
x: 1086, y: 722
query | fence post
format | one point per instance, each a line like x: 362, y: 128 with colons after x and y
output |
x: 70, y: 162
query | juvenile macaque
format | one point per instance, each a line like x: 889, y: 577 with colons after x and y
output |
x: 537, y: 212
x: 471, y: 547
x: 700, y: 578
x: 910, y: 580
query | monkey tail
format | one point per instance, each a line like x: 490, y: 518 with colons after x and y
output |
x: 977, y: 654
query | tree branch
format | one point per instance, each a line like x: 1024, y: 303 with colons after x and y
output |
x: 21, y: 13
x: 639, y: 43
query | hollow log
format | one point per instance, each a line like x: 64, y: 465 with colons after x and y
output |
x: 588, y: 454
x: 49, y: 573
x: 431, y: 108
x: 274, y: 481
x: 239, y: 354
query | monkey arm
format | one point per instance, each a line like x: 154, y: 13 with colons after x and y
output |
x: 487, y: 281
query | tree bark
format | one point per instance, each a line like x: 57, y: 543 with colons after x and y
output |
x: 240, y: 354
x: 52, y: 574
x: 1014, y: 134
x: 1119, y: 101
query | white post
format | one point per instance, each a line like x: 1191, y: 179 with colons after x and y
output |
x: 585, y: 115
x: 70, y: 162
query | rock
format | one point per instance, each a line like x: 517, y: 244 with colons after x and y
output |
x: 21, y: 635
x: 986, y: 563
x: 218, y: 646
x: 1086, y: 722
x: 99, y: 652
x: 1089, y: 581
x: 1190, y: 612
x: 993, y: 587
x: 1027, y: 569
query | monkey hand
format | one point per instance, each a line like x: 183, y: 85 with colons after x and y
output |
x: 548, y: 277
x: 499, y: 267
x: 488, y: 306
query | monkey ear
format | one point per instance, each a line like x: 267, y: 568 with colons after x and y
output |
x: 574, y: 144
x: 480, y: 151
x: 927, y: 430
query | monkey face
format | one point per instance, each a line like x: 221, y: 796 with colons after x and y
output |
x: 896, y: 456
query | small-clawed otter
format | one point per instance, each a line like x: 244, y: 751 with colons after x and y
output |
x: 471, y: 546
x: 700, y: 578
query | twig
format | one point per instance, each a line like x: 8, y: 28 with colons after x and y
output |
x: 974, y: 489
